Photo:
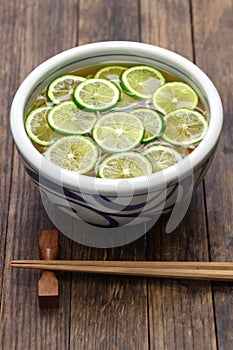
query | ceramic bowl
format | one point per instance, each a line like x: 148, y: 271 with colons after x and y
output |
x: 116, y: 203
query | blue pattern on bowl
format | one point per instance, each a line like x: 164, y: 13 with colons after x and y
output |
x: 113, y: 213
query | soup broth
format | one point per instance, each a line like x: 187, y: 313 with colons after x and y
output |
x: 130, y: 120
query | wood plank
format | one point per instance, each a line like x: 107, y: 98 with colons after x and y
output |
x: 167, y: 24
x: 9, y: 40
x: 180, y: 312
x: 181, y: 309
x: 108, y: 20
x: 39, y: 30
x: 109, y: 312
x: 214, y: 54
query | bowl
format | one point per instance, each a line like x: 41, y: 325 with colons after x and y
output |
x: 108, y: 210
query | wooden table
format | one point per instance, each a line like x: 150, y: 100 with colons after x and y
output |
x: 99, y: 312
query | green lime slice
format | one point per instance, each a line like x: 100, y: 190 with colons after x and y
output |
x: 67, y: 119
x: 141, y: 81
x: 37, y: 127
x: 112, y: 73
x: 96, y: 94
x: 124, y: 165
x: 152, y: 121
x: 162, y: 157
x: 118, y: 131
x: 174, y: 95
x: 74, y: 153
x: 184, y: 127
x: 61, y: 89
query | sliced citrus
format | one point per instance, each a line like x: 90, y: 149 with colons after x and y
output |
x: 152, y: 121
x: 184, y: 127
x: 118, y: 131
x: 141, y: 81
x: 124, y: 165
x: 96, y: 94
x: 61, y: 89
x: 162, y: 157
x: 74, y: 153
x: 174, y: 95
x: 37, y: 127
x: 112, y: 73
x: 67, y: 119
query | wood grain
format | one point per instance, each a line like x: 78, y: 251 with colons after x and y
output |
x: 175, y: 321
x: 9, y: 58
x: 214, y: 52
x: 107, y: 308
x: 108, y: 20
x: 122, y: 313
x: 167, y: 24
x: 39, y: 33
x: 164, y: 269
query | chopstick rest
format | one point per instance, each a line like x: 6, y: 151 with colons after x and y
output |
x: 48, y: 290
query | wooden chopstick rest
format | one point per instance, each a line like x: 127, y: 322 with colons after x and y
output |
x: 48, y: 291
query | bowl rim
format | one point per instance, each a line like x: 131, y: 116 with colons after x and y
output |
x: 108, y: 186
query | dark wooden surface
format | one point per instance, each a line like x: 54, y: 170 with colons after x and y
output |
x: 100, y: 312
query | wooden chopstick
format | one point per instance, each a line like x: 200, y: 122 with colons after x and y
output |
x: 218, y: 271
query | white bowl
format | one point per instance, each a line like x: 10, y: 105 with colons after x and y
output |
x: 115, y: 203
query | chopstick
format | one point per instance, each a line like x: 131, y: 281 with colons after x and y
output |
x: 218, y: 271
